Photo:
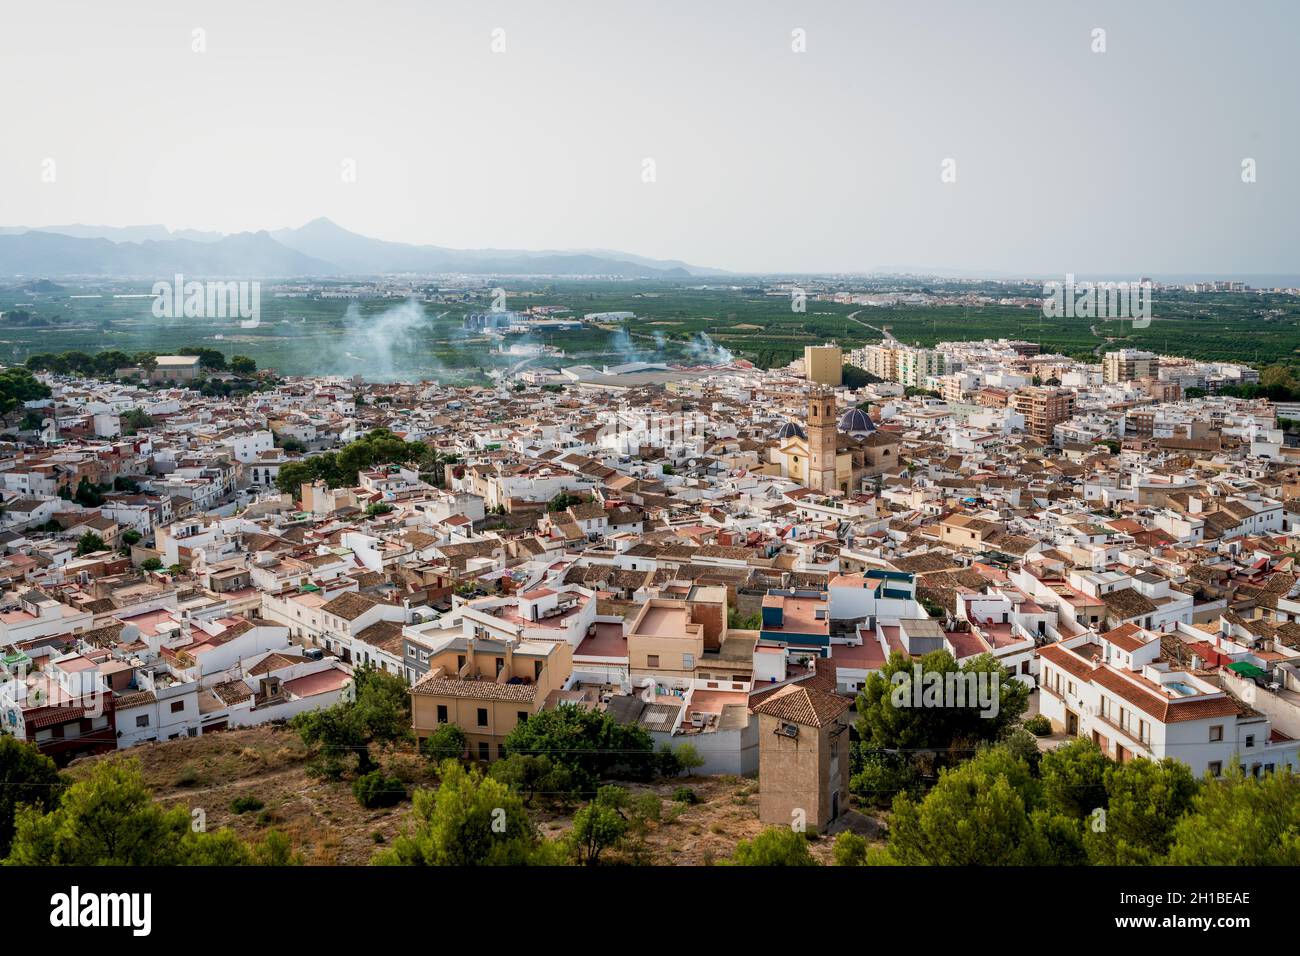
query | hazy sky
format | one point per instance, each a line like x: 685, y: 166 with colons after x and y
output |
x: 1125, y: 162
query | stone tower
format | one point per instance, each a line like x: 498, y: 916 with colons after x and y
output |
x: 821, y: 440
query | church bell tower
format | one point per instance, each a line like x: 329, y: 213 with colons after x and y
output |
x: 821, y: 440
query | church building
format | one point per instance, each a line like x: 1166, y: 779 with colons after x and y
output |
x: 830, y: 453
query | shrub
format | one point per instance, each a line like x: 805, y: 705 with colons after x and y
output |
x: 1038, y: 725
x: 188, y: 776
x: 377, y: 789
x: 245, y: 804
x: 685, y: 795
x: 775, y: 846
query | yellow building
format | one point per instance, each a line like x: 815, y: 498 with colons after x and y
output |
x: 823, y: 364
x: 664, y: 643
x: 487, y: 687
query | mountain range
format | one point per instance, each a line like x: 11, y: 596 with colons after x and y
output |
x: 321, y: 248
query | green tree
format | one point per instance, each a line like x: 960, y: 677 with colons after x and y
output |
x: 775, y: 846
x: 737, y: 622
x: 379, y: 712
x: 878, y: 777
x: 446, y: 743
x: 1074, y: 778
x: 337, y: 734
x: 1277, y: 376
x: 985, y: 812
x: 1241, y: 820
x: 208, y: 358
x: 242, y: 365
x: 27, y: 776
x: 89, y: 543
x: 532, y: 776
x: 383, y: 705
x: 854, y: 377
x: 18, y: 385
x: 87, y: 494
x: 134, y: 420
x: 599, y: 825
x: 338, y: 470
x: 887, y: 719
x: 591, y: 744
x: 378, y: 789
x: 110, y: 819
x: 1144, y: 800
x: 688, y: 758
x: 470, y: 820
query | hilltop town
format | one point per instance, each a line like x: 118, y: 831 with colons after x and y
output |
x: 720, y: 556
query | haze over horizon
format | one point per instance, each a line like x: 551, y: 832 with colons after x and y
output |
x: 765, y: 160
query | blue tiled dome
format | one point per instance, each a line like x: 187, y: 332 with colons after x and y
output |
x: 856, y: 422
x: 790, y: 430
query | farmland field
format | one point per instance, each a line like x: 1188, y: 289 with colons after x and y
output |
x: 676, y: 321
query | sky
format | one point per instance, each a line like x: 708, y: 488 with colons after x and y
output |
x: 686, y: 130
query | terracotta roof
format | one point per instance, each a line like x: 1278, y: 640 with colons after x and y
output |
x: 349, y: 605
x: 137, y: 699
x: 803, y: 705
x: 473, y: 689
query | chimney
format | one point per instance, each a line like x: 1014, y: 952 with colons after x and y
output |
x: 469, y: 658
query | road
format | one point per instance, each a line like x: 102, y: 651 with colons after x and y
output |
x: 884, y: 333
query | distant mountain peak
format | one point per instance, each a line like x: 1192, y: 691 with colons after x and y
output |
x: 318, y: 247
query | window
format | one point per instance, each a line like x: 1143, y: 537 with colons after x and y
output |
x: 1250, y: 740
x: 1216, y: 768
x: 178, y: 706
x: 688, y: 661
x: 483, y: 752
x: 652, y: 660
x: 501, y: 663
x: 482, y: 717
x: 1216, y: 733
x: 521, y: 716
x: 442, y: 713
x: 142, y: 720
